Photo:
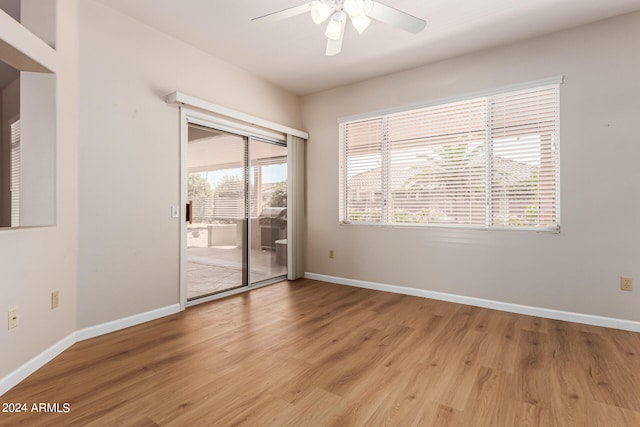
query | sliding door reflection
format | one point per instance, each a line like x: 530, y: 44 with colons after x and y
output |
x: 216, y: 190
x: 268, y: 210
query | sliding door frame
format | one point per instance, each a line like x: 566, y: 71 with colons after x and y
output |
x: 191, y: 116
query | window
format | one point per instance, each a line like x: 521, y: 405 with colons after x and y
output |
x: 489, y: 162
x: 28, y: 92
x: 14, y: 184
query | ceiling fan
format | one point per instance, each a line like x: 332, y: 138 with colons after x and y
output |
x: 360, y: 12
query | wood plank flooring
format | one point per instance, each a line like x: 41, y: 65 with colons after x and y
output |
x: 309, y: 353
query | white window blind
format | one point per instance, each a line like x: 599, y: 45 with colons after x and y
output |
x: 15, y: 173
x: 487, y: 162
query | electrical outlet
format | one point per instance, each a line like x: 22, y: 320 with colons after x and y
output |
x: 626, y: 283
x: 331, y: 254
x: 13, y: 317
x: 55, y: 299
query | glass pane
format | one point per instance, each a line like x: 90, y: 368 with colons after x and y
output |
x: 268, y: 189
x: 217, y: 191
x: 362, y: 163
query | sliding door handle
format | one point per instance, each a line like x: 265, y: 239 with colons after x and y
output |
x: 190, y: 212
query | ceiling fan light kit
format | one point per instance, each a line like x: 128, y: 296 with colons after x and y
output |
x: 353, y: 7
x: 360, y: 23
x: 360, y: 12
x: 335, y: 29
x: 320, y: 11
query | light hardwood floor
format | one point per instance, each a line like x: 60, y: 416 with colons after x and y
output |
x: 309, y: 353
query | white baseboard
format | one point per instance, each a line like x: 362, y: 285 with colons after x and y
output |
x: 15, y: 377
x: 587, y: 319
x: 116, y: 325
x: 46, y: 356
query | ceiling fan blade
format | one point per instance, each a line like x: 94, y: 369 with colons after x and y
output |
x: 389, y: 15
x: 333, y: 47
x: 284, y: 14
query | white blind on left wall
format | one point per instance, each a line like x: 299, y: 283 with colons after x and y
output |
x: 15, y: 173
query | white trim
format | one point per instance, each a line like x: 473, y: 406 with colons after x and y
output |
x: 116, y: 325
x: 18, y: 375
x: 552, y: 230
x: 24, y: 50
x: 184, y: 170
x: 181, y: 98
x: 15, y: 377
x: 508, y: 88
x: 587, y: 319
x: 206, y: 119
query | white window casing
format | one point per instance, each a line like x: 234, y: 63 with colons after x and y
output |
x: 488, y: 162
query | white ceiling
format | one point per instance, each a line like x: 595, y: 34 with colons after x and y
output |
x: 290, y: 53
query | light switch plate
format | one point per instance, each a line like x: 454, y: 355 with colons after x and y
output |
x: 55, y: 299
x: 175, y: 211
x: 13, y: 317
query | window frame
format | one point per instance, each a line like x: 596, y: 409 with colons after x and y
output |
x: 489, y: 196
x: 26, y: 49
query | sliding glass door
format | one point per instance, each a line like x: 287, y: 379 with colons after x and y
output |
x: 216, y: 229
x: 268, y: 189
x: 237, y: 212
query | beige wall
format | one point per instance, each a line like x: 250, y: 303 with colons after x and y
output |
x: 129, y: 156
x: 577, y: 270
x: 37, y: 149
x: 36, y: 261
